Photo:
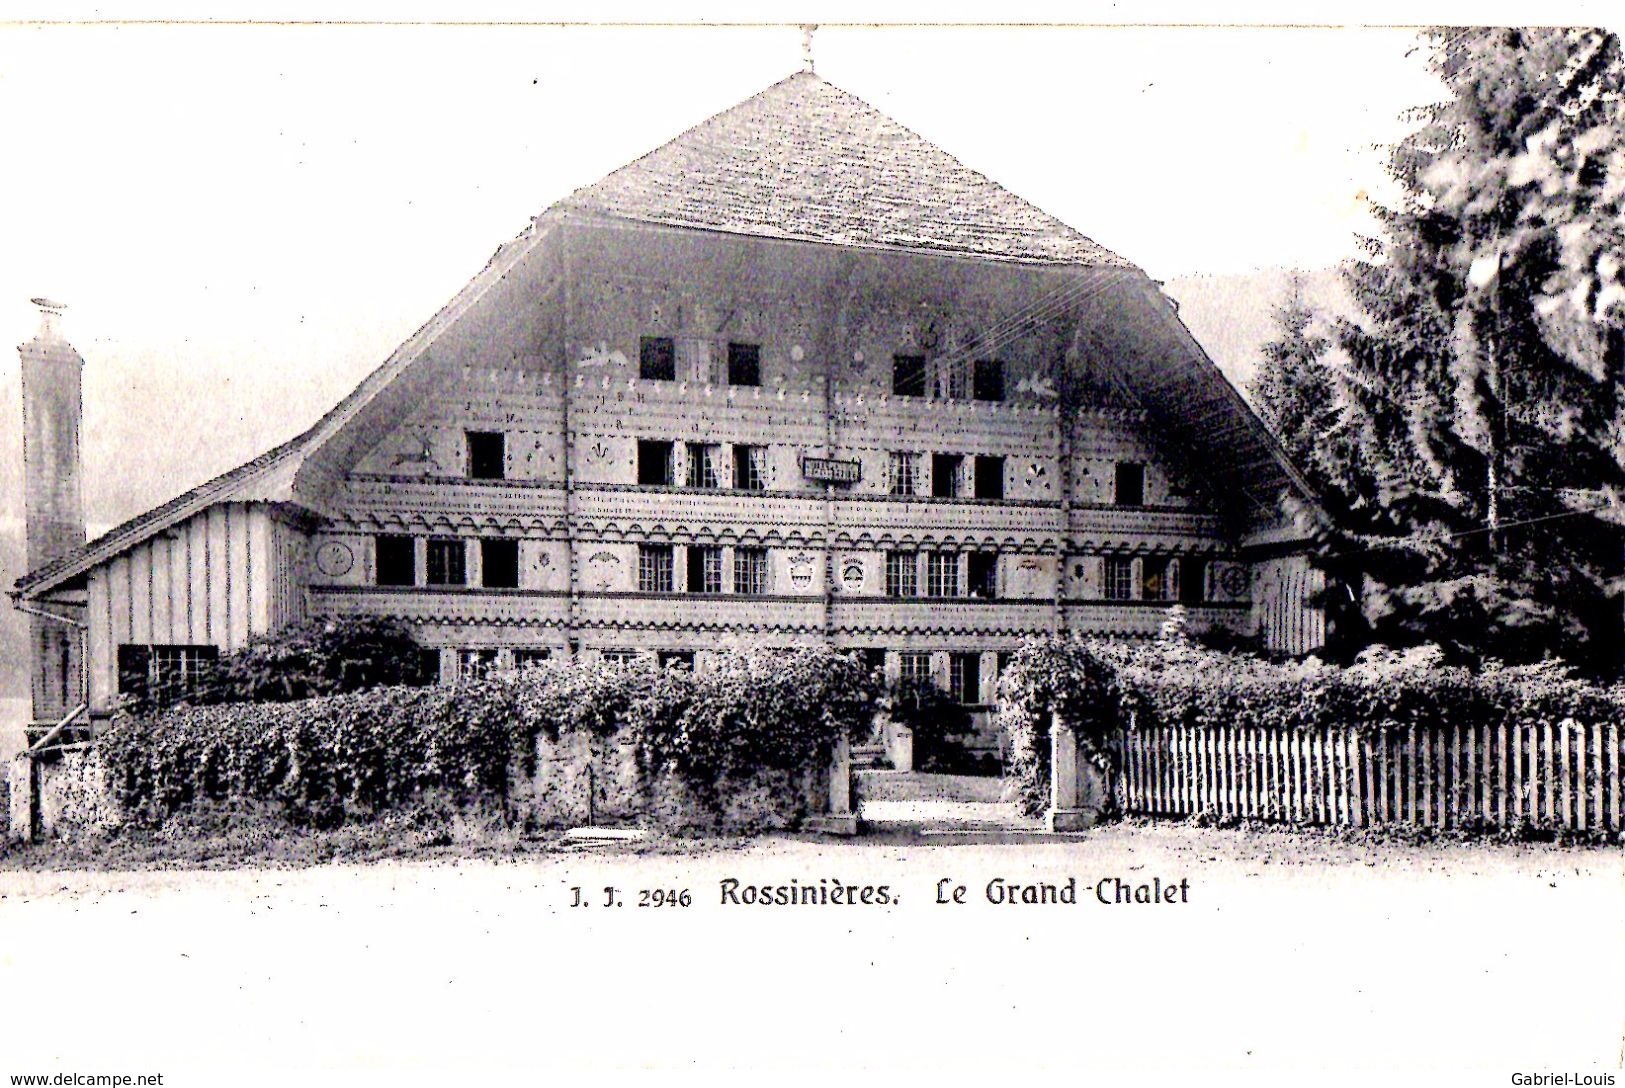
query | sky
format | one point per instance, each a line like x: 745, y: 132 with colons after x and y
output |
x: 245, y: 219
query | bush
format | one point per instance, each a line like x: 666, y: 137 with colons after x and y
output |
x: 326, y: 759
x: 324, y: 656
x: 1057, y: 676
x: 1102, y: 687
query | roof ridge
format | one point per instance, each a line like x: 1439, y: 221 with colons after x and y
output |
x: 806, y: 158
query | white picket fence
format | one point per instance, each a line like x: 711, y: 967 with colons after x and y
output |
x: 1566, y: 775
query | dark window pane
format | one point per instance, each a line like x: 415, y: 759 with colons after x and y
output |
x: 990, y: 477
x: 945, y: 468
x: 133, y: 665
x: 1193, y: 580
x: 654, y: 462
x: 657, y: 359
x: 965, y: 678
x: 744, y: 364
x: 486, y: 455
x: 704, y: 569
x: 750, y: 468
x: 908, y: 375
x: 499, y: 564
x: 396, y: 561
x: 983, y: 574
x: 1154, y: 584
x: 988, y: 382
x: 1130, y: 484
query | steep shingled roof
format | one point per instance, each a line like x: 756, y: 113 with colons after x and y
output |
x: 804, y: 159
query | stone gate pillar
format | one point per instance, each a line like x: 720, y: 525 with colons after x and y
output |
x: 1078, y: 789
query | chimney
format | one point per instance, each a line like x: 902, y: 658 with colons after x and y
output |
x: 53, y: 503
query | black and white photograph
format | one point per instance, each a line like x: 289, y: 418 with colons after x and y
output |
x: 730, y: 544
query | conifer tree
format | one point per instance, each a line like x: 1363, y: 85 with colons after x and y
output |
x: 1478, y: 453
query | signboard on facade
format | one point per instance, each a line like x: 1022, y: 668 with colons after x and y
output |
x: 831, y: 471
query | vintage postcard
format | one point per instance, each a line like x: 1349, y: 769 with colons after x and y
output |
x: 738, y: 546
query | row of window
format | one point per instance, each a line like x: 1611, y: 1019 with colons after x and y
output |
x: 446, y: 562
x: 746, y: 470
x: 912, y: 375
x: 657, y: 362
x: 942, y: 574
x: 1160, y: 579
x: 703, y: 570
x: 953, y: 475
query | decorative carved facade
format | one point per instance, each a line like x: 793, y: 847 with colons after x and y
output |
x: 663, y: 421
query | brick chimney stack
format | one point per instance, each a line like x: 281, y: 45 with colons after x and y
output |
x: 52, y: 404
x: 54, y: 507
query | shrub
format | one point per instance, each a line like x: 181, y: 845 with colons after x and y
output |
x: 324, y: 759
x: 1103, y: 686
x: 322, y: 656
x: 1057, y: 676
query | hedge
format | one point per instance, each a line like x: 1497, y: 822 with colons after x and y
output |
x: 326, y: 759
x: 1102, y: 687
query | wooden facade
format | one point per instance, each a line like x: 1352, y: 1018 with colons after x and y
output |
x: 1036, y: 438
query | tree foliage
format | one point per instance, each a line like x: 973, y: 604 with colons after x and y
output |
x: 1475, y: 455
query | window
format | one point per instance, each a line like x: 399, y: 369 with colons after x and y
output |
x: 703, y: 459
x: 619, y: 658
x: 908, y: 375
x: 965, y: 678
x: 476, y: 664
x: 987, y: 382
x: 750, y: 468
x: 914, y: 668
x: 499, y: 564
x: 1119, y: 578
x: 163, y: 674
x: 654, y: 462
x: 396, y: 561
x: 750, y: 571
x: 487, y: 455
x: 744, y: 364
x: 874, y: 659
x: 955, y: 379
x: 942, y: 574
x: 902, y: 574
x: 903, y: 476
x: 428, y: 665
x: 1192, y: 580
x: 983, y: 574
x: 657, y: 359
x: 654, y: 568
x: 677, y: 659
x: 704, y: 570
x: 1130, y: 484
x: 989, y: 482
x: 945, y: 470
x: 446, y: 563
x: 527, y: 659
x: 1156, y: 579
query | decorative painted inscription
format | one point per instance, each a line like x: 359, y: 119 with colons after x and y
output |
x: 831, y: 471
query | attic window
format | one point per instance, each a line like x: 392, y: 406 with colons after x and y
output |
x: 744, y: 364
x: 486, y: 455
x: 987, y: 381
x: 908, y: 375
x: 1130, y: 484
x: 657, y: 359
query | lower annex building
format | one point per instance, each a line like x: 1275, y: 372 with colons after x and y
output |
x: 796, y: 377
